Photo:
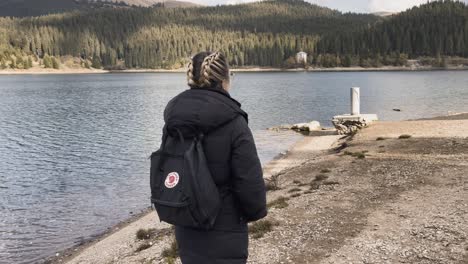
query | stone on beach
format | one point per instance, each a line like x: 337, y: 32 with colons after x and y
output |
x: 302, y: 127
x: 348, y: 124
x: 314, y: 125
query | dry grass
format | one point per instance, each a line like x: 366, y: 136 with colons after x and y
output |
x: 359, y: 155
x: 143, y: 247
x: 279, y: 203
x: 320, y: 177
x: 294, y: 190
x: 142, y: 234
x: 404, y: 136
x: 260, y: 228
x: 272, y: 184
x: 170, y: 254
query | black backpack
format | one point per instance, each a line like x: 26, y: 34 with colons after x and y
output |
x: 182, y: 188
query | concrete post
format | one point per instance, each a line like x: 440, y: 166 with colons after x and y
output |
x: 355, y: 101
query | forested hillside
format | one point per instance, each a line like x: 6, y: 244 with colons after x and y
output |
x: 267, y: 33
x: 263, y: 34
x: 434, y: 29
x: 24, y: 8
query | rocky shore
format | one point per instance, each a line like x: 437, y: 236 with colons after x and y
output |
x: 395, y: 192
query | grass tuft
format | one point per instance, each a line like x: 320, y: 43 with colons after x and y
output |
x: 320, y: 177
x: 294, y: 190
x: 142, y: 234
x: 272, y: 184
x: 279, y: 203
x: 359, y: 155
x: 260, y: 228
x: 142, y: 247
x: 171, y: 253
x: 405, y: 136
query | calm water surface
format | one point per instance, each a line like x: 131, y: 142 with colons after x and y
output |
x: 74, y: 148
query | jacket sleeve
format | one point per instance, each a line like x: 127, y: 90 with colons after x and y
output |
x: 248, y: 184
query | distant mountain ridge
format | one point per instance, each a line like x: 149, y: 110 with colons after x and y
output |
x: 147, y: 3
x: 24, y: 8
x: 384, y: 13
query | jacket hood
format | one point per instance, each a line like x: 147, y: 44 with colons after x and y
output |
x: 204, y: 109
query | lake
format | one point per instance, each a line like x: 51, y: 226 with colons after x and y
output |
x: 74, y: 148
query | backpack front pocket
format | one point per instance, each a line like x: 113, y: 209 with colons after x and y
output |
x: 178, y: 214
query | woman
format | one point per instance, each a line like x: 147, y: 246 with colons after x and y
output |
x: 232, y: 159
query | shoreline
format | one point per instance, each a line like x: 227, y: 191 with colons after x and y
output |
x: 42, y: 71
x: 274, y: 166
x: 295, y: 157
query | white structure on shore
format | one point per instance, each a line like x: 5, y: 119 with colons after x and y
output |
x: 349, y: 123
x: 301, y: 58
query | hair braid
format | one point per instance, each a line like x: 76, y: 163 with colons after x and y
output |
x: 190, y: 77
x: 209, y: 72
x: 205, y: 75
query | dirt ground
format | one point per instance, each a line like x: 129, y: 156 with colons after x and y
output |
x: 383, y: 201
x: 368, y: 201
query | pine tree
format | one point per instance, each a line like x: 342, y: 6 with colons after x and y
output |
x: 55, y: 63
x: 47, y: 61
x: 13, y: 63
x: 3, y: 64
x: 96, y: 63
x: 30, y: 63
x: 20, y: 63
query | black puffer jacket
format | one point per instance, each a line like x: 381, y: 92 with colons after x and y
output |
x: 233, y: 161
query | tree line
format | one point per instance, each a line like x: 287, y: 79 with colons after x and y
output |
x: 267, y: 34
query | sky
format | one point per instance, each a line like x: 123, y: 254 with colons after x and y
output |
x: 360, y: 6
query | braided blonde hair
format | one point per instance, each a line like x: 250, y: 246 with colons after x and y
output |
x: 207, y: 70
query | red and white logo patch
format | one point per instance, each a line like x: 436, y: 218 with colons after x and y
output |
x: 172, y: 180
